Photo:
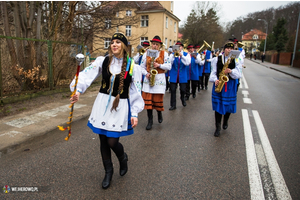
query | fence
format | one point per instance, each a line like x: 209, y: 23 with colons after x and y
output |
x: 30, y: 65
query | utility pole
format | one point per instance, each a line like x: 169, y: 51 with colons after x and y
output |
x: 295, y: 41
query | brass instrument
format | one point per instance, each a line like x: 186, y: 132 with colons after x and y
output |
x: 222, y: 77
x: 212, y: 46
x: 205, y: 44
x: 141, y: 49
x: 153, y: 72
x: 176, y: 50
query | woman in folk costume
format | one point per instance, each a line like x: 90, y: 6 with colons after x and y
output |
x: 178, y: 74
x: 192, y: 72
x: 154, y: 95
x: 115, y: 110
x: 224, y: 103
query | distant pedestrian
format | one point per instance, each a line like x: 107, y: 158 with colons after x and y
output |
x: 263, y: 56
x: 255, y: 56
x: 251, y: 56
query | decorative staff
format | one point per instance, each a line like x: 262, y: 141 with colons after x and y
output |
x: 80, y: 59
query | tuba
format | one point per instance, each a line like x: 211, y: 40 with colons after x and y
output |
x: 222, y: 77
x: 205, y: 44
x: 153, y: 72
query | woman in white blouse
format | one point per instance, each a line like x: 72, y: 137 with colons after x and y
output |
x: 115, y: 110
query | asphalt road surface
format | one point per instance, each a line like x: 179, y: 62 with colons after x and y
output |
x: 257, y: 157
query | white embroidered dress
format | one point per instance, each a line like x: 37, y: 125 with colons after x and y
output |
x: 101, y: 116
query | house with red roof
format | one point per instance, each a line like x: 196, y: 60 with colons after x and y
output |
x: 252, y: 40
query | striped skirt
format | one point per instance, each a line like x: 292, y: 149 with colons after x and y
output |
x: 153, y: 101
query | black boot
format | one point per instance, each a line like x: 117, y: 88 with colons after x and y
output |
x: 123, y: 164
x: 183, y: 100
x: 160, y: 118
x: 150, y: 119
x: 218, y: 129
x: 109, y: 171
x: 218, y: 119
x: 225, y: 122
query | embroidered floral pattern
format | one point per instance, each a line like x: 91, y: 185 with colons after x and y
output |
x: 89, y: 68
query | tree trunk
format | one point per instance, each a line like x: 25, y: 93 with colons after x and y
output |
x: 11, y: 47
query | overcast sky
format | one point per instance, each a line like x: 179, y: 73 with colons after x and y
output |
x: 229, y: 10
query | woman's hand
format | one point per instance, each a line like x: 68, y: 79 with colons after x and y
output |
x: 134, y: 122
x: 75, y: 97
x: 156, y: 65
x: 217, y: 82
x: 148, y: 75
x: 227, y: 71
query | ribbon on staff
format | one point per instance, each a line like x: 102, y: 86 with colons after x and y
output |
x: 80, y: 59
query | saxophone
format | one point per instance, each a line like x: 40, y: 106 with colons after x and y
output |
x: 222, y: 77
x: 153, y: 72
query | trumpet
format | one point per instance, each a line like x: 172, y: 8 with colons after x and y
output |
x: 176, y: 49
x: 141, y: 49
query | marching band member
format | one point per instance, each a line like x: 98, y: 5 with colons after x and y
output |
x: 154, y: 95
x: 138, y: 57
x: 224, y: 103
x: 117, y: 105
x: 200, y: 69
x: 206, y: 68
x: 178, y: 74
x: 193, y: 73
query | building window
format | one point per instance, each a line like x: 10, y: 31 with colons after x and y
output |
x: 144, y: 20
x: 128, y: 30
x: 128, y: 12
x: 255, y: 37
x: 166, y: 43
x: 143, y: 39
x: 166, y: 22
x: 175, y: 27
x: 170, y: 43
x: 106, y: 43
x: 107, y: 23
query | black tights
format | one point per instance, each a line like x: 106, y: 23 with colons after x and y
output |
x: 218, y: 117
x: 107, y: 143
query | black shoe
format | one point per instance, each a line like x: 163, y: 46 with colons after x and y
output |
x: 194, y: 96
x: 217, y: 133
x: 149, y: 125
x: 184, y: 103
x: 109, y: 171
x: 123, y: 164
x: 160, y: 118
x: 205, y: 87
x: 225, y: 125
x: 172, y: 108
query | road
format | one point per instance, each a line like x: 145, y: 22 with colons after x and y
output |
x: 256, y: 157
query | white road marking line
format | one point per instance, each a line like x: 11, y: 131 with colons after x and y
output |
x: 247, y: 100
x: 256, y: 189
x: 281, y: 189
x: 241, y: 84
x: 245, y: 82
x: 41, y: 116
x: 11, y: 133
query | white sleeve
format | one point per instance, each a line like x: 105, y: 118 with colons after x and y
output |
x: 213, y: 75
x: 136, y: 58
x: 186, y: 60
x: 236, y: 73
x: 199, y: 60
x: 135, y: 92
x: 167, y: 64
x: 144, y: 65
x: 171, y: 58
x: 88, y: 75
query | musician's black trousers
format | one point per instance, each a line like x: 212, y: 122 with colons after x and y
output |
x: 107, y: 143
x: 173, y: 88
x: 205, y: 77
x: 188, y: 87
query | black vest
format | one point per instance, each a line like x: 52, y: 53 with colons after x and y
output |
x: 220, y: 65
x: 106, y: 81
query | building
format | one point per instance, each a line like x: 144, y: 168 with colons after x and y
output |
x: 153, y: 18
x: 252, y: 40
